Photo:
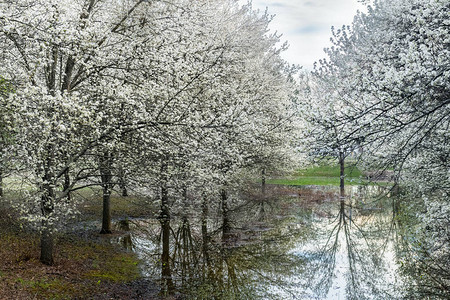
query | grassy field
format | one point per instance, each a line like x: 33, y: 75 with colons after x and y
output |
x: 321, y: 175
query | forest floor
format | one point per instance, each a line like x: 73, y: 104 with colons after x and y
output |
x: 87, y: 265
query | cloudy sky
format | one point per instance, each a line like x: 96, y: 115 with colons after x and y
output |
x: 306, y: 24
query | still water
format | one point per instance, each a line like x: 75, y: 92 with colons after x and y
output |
x: 305, y: 243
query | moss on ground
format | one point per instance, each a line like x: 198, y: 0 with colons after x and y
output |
x: 83, y: 269
x: 132, y: 206
x: 120, y: 267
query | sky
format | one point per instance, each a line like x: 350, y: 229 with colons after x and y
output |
x: 306, y: 24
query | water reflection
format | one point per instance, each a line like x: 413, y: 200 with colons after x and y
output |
x: 313, y: 244
x: 352, y: 255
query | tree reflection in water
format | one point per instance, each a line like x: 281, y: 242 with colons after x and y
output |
x: 254, y: 261
x: 355, y: 258
x: 305, y: 249
x: 235, y: 269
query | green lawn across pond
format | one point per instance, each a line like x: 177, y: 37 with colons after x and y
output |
x: 321, y: 175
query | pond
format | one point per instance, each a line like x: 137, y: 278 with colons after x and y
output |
x: 305, y: 243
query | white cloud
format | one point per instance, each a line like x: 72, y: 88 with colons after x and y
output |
x: 306, y: 24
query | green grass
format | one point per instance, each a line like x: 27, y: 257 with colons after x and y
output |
x: 314, y: 180
x: 329, y: 171
x: 322, y: 175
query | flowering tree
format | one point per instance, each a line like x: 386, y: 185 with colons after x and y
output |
x: 58, y: 54
x: 6, y: 130
x: 392, y: 65
x: 324, y: 133
x: 103, y: 86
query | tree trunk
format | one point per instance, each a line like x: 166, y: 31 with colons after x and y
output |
x: 47, y: 207
x: 1, y: 183
x: 165, y: 229
x: 106, y: 215
x: 342, y: 219
x: 46, y: 244
x: 66, y: 185
x: 105, y: 166
x: 226, y: 227
x: 48, y: 188
x: 205, y: 239
x: 188, y: 252
x: 342, y: 186
x: 1, y: 174
x: 263, y: 181
x: 342, y: 174
x: 122, y: 182
x: 165, y: 256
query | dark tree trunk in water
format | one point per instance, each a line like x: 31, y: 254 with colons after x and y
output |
x: 263, y: 182
x: 165, y: 256
x: 1, y: 183
x: 226, y: 226
x: 105, y: 166
x: 1, y: 175
x: 205, y: 239
x: 342, y: 219
x: 262, y: 212
x: 342, y: 174
x: 186, y: 252
x: 106, y: 215
x: 165, y: 229
x: 342, y: 186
